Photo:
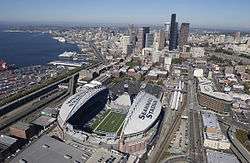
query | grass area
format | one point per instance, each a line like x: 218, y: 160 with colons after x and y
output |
x: 241, y: 135
x: 177, y: 61
x: 133, y: 63
x: 111, y: 123
x: 218, y: 60
x: 98, y: 120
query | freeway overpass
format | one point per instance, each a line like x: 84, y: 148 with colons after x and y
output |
x: 72, y: 79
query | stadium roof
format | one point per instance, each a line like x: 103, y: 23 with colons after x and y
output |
x: 142, y: 114
x: 73, y: 103
x: 123, y: 100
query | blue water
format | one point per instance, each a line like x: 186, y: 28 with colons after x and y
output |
x: 25, y: 49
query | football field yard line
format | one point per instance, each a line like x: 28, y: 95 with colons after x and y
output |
x: 111, y: 123
x: 120, y: 126
x: 102, y: 121
x: 104, y: 126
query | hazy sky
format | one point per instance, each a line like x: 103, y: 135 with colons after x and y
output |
x: 206, y: 13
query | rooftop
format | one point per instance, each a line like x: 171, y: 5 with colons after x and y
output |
x: 142, y: 114
x: 73, y: 103
x: 206, y: 87
x: 7, y: 140
x: 123, y: 100
x: 220, y: 157
x: 44, y: 121
x: 210, y: 121
x: 47, y: 149
x: 21, y: 125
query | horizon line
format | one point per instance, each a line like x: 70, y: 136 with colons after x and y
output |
x: 78, y: 23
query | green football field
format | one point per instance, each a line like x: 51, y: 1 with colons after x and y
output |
x: 111, y: 123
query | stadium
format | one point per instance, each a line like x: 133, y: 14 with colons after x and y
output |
x: 127, y: 123
x: 78, y: 110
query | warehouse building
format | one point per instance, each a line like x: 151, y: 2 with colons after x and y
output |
x: 50, y: 150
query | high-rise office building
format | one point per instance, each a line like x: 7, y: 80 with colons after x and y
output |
x: 184, y: 33
x: 173, y: 39
x: 237, y: 37
x: 162, y: 40
x: 142, y: 37
x: 167, y: 28
x: 132, y: 33
x: 125, y: 40
x: 149, y: 40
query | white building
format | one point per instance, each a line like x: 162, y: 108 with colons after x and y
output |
x: 213, y: 136
x: 198, y: 73
x: 125, y: 41
x: 167, y: 63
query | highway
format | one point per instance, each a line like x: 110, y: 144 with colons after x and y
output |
x: 178, y: 158
x: 99, y: 56
x: 26, y: 109
x: 197, y: 152
x: 12, y: 104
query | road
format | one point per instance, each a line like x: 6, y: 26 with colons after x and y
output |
x: 197, y: 152
x: 178, y: 158
x: 98, y: 54
x: 25, y: 109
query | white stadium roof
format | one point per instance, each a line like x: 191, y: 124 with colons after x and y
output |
x: 123, y: 100
x: 73, y: 103
x: 142, y: 114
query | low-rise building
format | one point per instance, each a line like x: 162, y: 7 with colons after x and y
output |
x: 50, y: 150
x: 23, y: 130
x: 220, y: 157
x: 44, y: 121
x: 213, y: 100
x: 213, y: 136
x: 8, y: 145
x: 51, y: 112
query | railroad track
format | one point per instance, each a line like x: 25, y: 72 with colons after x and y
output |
x: 161, y: 149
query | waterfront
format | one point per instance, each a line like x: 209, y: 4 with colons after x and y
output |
x: 25, y: 49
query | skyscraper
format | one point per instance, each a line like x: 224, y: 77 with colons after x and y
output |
x: 132, y: 34
x: 142, y: 37
x: 131, y: 29
x: 166, y: 28
x: 149, y: 39
x: 162, y: 40
x: 173, y: 39
x: 184, y: 33
x: 237, y: 37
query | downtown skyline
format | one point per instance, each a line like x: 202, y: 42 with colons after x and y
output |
x: 222, y: 14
